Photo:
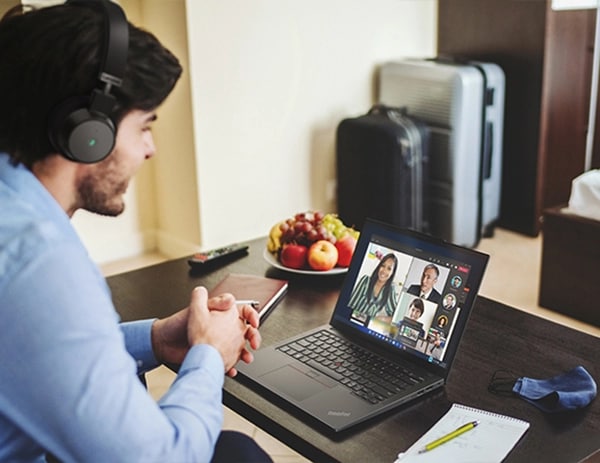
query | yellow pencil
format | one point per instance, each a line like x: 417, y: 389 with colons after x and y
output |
x: 457, y: 432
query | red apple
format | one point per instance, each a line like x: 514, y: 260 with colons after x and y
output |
x: 345, y: 247
x: 293, y: 255
x: 322, y: 255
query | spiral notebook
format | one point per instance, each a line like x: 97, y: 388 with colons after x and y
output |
x: 490, y: 441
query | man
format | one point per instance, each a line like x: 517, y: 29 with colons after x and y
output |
x: 411, y: 320
x: 416, y: 309
x: 449, y: 301
x: 68, y: 382
x: 426, y: 289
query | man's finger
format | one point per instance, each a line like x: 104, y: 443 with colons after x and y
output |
x: 246, y: 356
x: 254, y: 338
x: 250, y: 315
x: 221, y: 302
x: 199, y: 297
x: 198, y: 314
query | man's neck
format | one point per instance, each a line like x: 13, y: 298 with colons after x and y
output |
x: 58, y: 175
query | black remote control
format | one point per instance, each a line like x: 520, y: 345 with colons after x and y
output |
x: 215, y: 256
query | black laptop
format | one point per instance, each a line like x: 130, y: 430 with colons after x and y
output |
x: 384, y: 345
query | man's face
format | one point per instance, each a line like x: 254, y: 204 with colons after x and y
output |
x: 428, y: 279
x: 414, y: 313
x: 102, y: 185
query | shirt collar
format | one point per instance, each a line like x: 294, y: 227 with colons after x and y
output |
x: 30, y: 191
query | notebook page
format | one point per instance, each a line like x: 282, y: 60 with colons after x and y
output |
x: 489, y: 442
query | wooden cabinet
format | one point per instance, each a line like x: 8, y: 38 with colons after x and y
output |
x: 570, y: 256
x: 547, y: 57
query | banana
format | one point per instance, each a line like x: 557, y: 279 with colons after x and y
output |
x: 273, y: 244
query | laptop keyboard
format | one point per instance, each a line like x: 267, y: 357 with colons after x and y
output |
x: 367, y: 374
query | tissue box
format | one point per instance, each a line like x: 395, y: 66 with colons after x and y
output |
x: 570, y: 265
x: 585, y: 195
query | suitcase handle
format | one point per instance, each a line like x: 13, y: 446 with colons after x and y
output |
x: 488, y: 146
x: 380, y: 109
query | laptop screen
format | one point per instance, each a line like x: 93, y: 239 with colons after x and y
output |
x: 410, y: 292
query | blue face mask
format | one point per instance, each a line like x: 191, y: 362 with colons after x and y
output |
x: 572, y: 390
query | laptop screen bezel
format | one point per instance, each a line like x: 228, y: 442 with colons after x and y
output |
x: 421, y: 244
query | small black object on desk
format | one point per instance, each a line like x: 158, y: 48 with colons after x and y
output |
x: 206, y: 261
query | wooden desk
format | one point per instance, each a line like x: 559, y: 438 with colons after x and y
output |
x: 497, y: 337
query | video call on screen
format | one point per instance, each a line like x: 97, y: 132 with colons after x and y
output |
x: 409, y: 318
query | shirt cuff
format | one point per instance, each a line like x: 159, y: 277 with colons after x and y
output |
x: 206, y: 357
x: 138, y: 342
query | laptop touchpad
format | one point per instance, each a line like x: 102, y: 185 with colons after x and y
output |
x: 294, y: 382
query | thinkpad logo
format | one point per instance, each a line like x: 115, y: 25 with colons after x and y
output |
x: 338, y: 413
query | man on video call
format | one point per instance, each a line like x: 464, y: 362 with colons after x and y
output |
x: 426, y: 289
x: 69, y: 386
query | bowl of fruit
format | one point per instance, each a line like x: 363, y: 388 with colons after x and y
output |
x: 311, y: 243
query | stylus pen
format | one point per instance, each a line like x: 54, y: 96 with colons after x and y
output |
x: 254, y: 304
x: 442, y: 440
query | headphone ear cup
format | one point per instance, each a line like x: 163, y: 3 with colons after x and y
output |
x: 79, y: 134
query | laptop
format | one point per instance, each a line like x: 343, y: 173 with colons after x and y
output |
x: 378, y: 351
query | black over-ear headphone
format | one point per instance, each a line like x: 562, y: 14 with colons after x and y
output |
x: 80, y: 128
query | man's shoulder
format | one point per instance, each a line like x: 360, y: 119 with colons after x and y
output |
x: 435, y: 296
x: 24, y: 225
x: 26, y: 236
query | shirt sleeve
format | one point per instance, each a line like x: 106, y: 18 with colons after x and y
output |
x: 138, y: 342
x: 69, y: 380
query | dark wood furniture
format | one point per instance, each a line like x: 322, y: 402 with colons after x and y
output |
x: 570, y: 260
x: 547, y: 57
x: 497, y: 338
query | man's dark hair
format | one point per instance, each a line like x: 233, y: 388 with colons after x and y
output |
x: 52, y: 54
x: 418, y: 304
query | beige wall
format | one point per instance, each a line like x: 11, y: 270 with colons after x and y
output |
x: 5, y: 5
x: 175, y: 182
x: 248, y: 137
x: 271, y: 81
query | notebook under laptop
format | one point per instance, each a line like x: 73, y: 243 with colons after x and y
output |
x: 406, y: 354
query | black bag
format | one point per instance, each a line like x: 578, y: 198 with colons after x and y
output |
x: 382, y: 168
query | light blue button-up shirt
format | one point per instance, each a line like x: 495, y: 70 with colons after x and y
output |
x: 68, y: 369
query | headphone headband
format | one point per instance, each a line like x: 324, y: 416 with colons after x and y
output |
x: 115, y: 54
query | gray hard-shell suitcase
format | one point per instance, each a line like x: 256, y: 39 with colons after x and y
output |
x: 382, y: 159
x: 463, y: 105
